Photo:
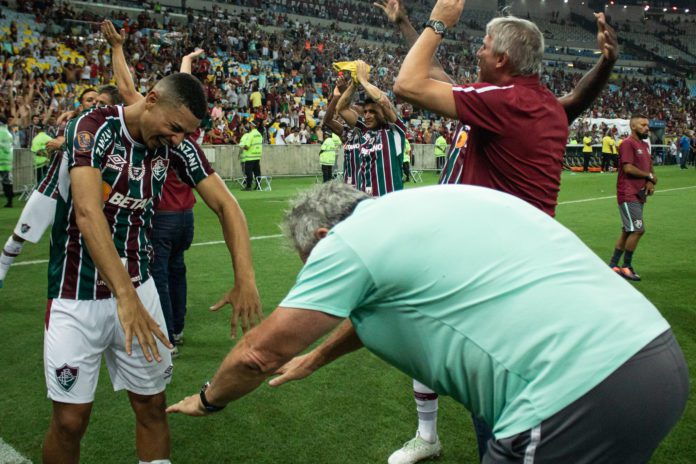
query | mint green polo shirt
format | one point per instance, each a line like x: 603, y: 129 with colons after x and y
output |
x: 480, y: 296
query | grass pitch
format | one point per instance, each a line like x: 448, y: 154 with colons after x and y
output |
x: 357, y: 410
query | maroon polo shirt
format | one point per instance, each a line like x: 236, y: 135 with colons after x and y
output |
x: 176, y: 196
x: 517, y: 139
x: 635, y: 152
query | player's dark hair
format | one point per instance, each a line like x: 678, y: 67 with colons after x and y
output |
x: 638, y: 116
x: 113, y: 93
x: 184, y: 89
x: 85, y: 92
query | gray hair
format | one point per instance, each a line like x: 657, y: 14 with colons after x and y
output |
x: 323, y: 206
x: 521, y: 40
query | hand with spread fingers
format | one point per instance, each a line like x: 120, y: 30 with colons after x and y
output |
x: 394, y: 10
x: 136, y: 321
x: 196, y: 53
x: 246, y: 305
x: 114, y: 38
x: 297, y: 368
x: 607, y: 43
x: 191, y: 406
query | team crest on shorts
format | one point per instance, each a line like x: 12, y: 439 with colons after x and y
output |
x: 24, y: 228
x: 638, y: 224
x: 84, y: 141
x: 67, y: 376
x: 159, y: 167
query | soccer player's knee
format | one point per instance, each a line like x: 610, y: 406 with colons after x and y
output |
x: 71, y: 422
x: 148, y: 408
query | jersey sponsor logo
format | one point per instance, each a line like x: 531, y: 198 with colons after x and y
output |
x: 136, y: 172
x: 84, y: 141
x: 639, y: 152
x: 102, y: 283
x: 115, y: 162
x: 24, y: 228
x: 159, y: 168
x: 374, y: 148
x: 67, y: 376
x: 191, y: 155
x: 123, y: 201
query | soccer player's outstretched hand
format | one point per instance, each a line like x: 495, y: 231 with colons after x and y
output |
x: 114, y: 38
x: 136, y: 321
x: 246, y: 305
x: 448, y: 11
x: 607, y: 42
x: 394, y: 10
x: 196, y: 53
x: 191, y: 406
x: 295, y: 369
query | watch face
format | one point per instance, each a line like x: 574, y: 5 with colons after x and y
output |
x: 439, y: 27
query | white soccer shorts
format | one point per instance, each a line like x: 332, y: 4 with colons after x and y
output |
x: 36, y: 217
x: 78, y: 332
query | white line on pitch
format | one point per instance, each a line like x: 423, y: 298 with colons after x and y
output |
x: 9, y: 455
x: 264, y: 237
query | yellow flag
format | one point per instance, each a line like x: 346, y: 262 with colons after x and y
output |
x: 350, y: 66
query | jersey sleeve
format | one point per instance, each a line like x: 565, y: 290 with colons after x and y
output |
x: 626, y: 154
x: 334, y: 280
x: 189, y: 163
x: 87, y: 141
x: 481, y: 105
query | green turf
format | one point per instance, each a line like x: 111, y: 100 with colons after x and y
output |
x: 357, y: 410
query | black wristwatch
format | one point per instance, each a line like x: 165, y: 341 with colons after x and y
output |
x: 209, y: 407
x: 437, y: 26
x: 651, y: 178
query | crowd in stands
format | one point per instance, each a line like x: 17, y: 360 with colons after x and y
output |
x: 257, y: 65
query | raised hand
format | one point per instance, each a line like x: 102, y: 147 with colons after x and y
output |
x: 448, y: 11
x: 114, y: 38
x: 394, y: 10
x: 607, y: 43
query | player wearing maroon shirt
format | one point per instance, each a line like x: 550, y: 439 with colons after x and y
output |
x: 100, y: 288
x: 635, y: 182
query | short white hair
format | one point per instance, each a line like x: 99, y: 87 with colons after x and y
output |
x: 521, y: 40
x: 323, y: 206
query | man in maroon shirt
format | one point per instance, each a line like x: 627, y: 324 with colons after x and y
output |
x: 636, y: 181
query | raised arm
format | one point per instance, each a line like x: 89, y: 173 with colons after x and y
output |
x: 343, y: 106
x: 124, y: 80
x: 187, y: 60
x: 244, y: 297
x: 397, y: 14
x: 374, y: 92
x: 329, y: 120
x: 592, y: 83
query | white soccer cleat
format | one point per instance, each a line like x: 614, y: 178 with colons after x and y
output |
x: 178, y: 338
x: 414, y: 450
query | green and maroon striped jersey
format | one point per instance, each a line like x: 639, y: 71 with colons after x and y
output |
x: 453, y: 168
x: 132, y: 179
x: 381, y: 159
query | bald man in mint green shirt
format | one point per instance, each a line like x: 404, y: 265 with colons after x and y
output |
x: 508, y: 312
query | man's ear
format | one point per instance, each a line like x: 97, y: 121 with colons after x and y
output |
x: 320, y: 233
x: 503, y: 60
x: 151, y: 98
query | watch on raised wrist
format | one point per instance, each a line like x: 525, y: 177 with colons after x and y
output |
x: 436, y: 25
x: 208, y: 406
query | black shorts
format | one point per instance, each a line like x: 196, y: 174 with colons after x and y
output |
x: 621, y: 420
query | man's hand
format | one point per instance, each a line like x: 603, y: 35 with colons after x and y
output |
x: 246, y: 303
x: 341, y: 86
x: 448, y: 11
x: 135, y: 320
x: 649, y: 188
x: 297, y: 368
x: 114, y: 38
x: 362, y: 72
x: 54, y: 144
x: 607, y: 43
x: 191, y: 406
x: 195, y: 54
x: 394, y: 10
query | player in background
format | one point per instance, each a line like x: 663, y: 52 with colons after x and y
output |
x: 635, y: 182
x: 383, y: 137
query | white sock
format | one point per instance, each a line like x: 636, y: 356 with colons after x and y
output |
x: 157, y: 461
x: 426, y: 405
x: 11, y: 250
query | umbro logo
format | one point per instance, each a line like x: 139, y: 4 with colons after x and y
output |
x: 115, y: 162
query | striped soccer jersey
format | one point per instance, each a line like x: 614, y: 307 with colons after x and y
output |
x: 454, y: 165
x: 351, y: 152
x: 132, y: 178
x: 381, y: 159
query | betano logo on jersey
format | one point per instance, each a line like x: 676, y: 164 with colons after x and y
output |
x: 123, y: 201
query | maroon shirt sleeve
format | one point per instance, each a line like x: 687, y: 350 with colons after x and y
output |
x: 479, y: 105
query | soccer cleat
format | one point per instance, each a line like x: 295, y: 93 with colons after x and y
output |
x: 616, y: 269
x: 630, y: 274
x: 178, y: 338
x: 175, y: 352
x: 414, y: 450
